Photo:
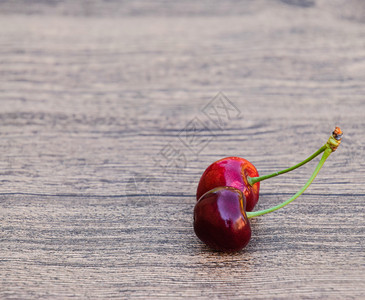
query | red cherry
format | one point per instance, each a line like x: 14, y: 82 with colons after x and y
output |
x: 233, y: 172
x: 220, y: 219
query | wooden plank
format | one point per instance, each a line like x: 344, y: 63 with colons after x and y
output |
x: 99, y: 161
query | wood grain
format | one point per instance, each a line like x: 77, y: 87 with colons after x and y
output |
x: 99, y: 158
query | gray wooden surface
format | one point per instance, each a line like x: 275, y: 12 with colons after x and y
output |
x: 99, y: 158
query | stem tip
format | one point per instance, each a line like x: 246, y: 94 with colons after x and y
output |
x: 335, y: 139
x: 337, y: 133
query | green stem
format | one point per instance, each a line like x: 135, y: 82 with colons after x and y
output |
x: 325, y: 155
x: 253, y: 180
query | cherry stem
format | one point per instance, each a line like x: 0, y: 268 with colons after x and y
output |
x: 333, y: 142
x: 253, y: 180
x: 319, y: 166
x: 331, y: 146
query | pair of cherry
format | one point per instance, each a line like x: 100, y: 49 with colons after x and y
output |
x: 228, y: 192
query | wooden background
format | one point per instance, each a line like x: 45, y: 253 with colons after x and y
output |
x: 106, y: 125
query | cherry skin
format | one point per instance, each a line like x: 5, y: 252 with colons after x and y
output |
x: 233, y: 172
x: 220, y: 219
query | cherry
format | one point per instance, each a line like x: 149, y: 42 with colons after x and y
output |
x: 239, y: 173
x: 233, y: 172
x: 220, y: 217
